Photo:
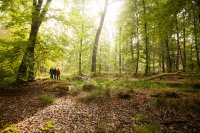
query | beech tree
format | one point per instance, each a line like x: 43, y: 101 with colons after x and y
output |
x: 96, y: 42
x: 28, y: 61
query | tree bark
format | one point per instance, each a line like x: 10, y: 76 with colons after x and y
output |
x: 184, y: 51
x: 132, y: 55
x: 28, y: 61
x: 81, y: 41
x: 163, y: 57
x: 178, y: 44
x: 80, y: 57
x: 169, y: 62
x: 196, y: 39
x: 120, y: 60
x: 137, y: 35
x: 116, y: 53
x: 94, y: 54
x: 146, y: 40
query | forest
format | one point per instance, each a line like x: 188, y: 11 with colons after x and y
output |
x: 125, y: 66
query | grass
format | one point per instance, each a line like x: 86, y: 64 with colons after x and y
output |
x: 140, y: 117
x: 10, y: 129
x: 48, y: 126
x: 47, y: 99
x: 146, y: 129
x: 97, y: 94
x: 61, y: 87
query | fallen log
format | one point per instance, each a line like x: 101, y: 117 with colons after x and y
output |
x: 168, y: 123
x: 160, y: 76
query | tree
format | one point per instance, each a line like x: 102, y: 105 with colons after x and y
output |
x: 98, y: 33
x: 28, y: 61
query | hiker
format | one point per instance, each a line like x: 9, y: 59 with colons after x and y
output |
x: 51, y: 72
x: 54, y: 73
x: 58, y: 74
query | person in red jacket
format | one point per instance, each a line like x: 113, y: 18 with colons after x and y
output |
x: 58, y: 74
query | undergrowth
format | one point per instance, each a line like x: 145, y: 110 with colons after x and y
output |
x: 48, y: 126
x: 10, y: 129
x: 47, y: 99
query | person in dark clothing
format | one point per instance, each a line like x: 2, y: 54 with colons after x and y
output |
x: 54, y: 73
x: 51, y: 72
x: 58, y: 74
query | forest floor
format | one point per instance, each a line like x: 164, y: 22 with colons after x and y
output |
x: 146, y: 107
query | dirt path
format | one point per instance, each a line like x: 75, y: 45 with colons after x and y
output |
x: 25, y: 111
x: 70, y: 116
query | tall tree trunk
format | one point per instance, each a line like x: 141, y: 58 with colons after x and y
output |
x: 196, y: 38
x: 120, y: 60
x: 28, y: 61
x: 94, y: 54
x: 132, y: 55
x: 116, y: 53
x: 146, y: 40
x: 100, y: 60
x: 191, y: 59
x: 163, y: 57
x: 80, y: 57
x: 178, y: 44
x: 154, y: 62
x: 137, y: 35
x: 169, y: 62
x: 81, y: 41
x: 184, y: 51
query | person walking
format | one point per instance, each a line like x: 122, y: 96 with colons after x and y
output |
x: 54, y: 73
x: 58, y: 74
x: 51, y: 71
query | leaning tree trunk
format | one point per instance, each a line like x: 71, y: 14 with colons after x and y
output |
x: 94, y: 54
x: 28, y: 60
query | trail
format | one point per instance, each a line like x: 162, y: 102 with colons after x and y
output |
x: 70, y: 116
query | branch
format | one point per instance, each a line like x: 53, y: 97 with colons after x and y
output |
x: 44, y: 11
